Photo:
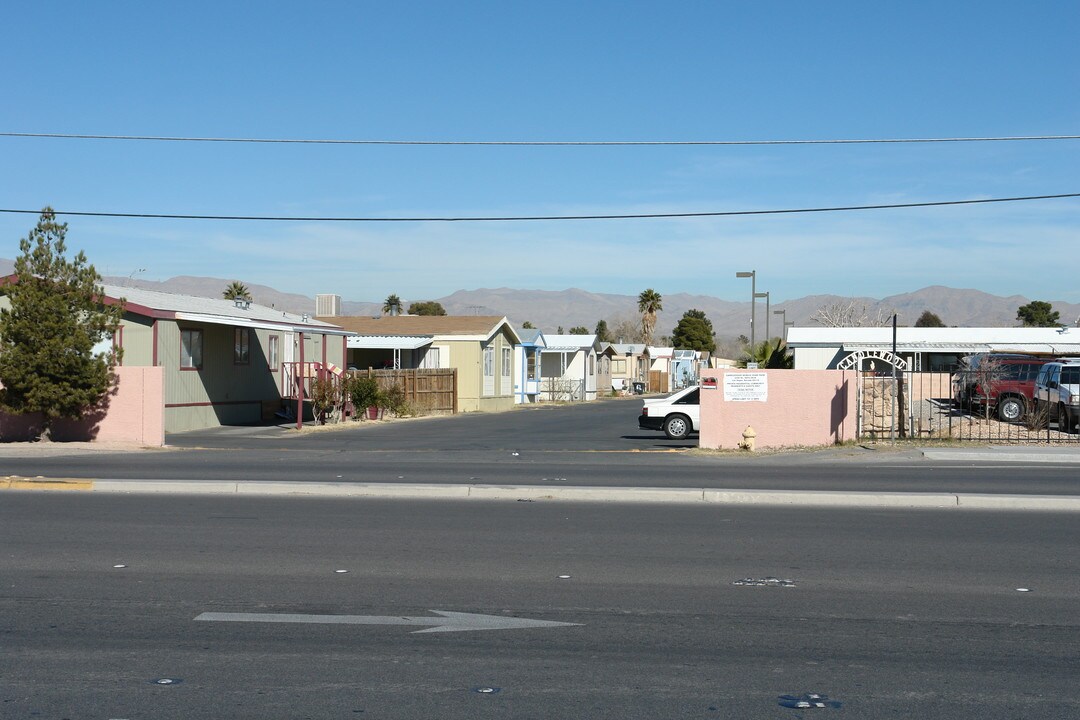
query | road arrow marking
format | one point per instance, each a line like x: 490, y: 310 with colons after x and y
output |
x: 447, y: 622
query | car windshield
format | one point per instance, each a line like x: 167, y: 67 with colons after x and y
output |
x: 1070, y: 376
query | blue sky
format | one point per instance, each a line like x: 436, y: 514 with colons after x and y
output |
x: 552, y: 71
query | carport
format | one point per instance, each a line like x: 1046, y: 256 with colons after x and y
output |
x: 385, y: 351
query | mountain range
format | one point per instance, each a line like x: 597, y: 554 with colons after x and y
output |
x: 552, y: 309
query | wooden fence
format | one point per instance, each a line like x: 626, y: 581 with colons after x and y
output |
x: 430, y: 392
x: 658, y: 381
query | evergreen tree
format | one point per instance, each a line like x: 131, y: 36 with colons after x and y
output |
x: 929, y: 319
x: 694, y: 332
x: 428, y: 307
x: 579, y: 330
x: 602, y: 333
x: 524, y: 326
x: 1038, y: 314
x: 47, y: 335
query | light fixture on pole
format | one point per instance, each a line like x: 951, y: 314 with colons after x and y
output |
x: 784, y: 320
x: 753, y: 296
x: 766, y: 296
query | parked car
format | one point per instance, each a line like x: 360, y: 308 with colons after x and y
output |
x: 677, y: 414
x: 1004, y: 383
x: 1057, y: 393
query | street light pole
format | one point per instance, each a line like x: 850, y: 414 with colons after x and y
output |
x: 766, y: 296
x: 753, y: 296
x: 784, y: 320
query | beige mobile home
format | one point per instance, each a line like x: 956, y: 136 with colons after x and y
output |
x: 480, y: 348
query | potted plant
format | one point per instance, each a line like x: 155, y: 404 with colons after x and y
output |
x: 364, y: 393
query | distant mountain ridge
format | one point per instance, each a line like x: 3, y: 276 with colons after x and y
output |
x: 551, y: 309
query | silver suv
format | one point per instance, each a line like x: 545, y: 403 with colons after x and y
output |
x: 1057, y: 393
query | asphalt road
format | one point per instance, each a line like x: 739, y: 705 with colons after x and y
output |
x: 890, y: 614
x: 595, y: 444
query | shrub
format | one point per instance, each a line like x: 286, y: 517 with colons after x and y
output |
x: 1037, y: 417
x: 325, y: 398
x: 364, y: 393
x: 393, y: 399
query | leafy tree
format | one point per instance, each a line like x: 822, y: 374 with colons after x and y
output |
x: 627, y: 330
x: 694, y: 332
x: 649, y: 304
x: 236, y: 290
x: 602, y: 333
x: 47, y: 360
x: 852, y: 313
x: 1038, y: 314
x: 524, y: 326
x: 428, y: 307
x: 392, y: 305
x: 579, y: 330
x: 929, y: 319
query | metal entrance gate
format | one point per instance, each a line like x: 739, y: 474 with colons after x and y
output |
x: 927, y: 405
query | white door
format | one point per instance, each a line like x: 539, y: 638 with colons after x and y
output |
x: 489, y: 371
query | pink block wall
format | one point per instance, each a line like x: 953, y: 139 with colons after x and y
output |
x: 804, y: 408
x: 135, y: 414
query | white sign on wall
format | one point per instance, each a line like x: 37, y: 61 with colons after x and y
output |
x: 746, y: 387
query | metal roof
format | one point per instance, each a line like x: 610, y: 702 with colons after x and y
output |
x: 450, y: 327
x: 387, y: 342
x: 969, y: 348
x: 214, y: 311
x: 531, y: 336
x: 576, y: 342
x: 937, y: 337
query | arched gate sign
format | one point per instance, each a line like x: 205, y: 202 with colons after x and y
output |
x: 854, y: 361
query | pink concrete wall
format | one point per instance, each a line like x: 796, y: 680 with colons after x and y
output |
x: 134, y: 413
x: 802, y: 408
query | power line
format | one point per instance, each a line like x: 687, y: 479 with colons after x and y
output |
x: 525, y: 218
x: 542, y: 143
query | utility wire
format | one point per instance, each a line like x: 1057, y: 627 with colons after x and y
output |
x: 545, y: 143
x: 523, y: 218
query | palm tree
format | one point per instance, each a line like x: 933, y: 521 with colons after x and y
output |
x: 649, y: 303
x: 391, y: 305
x: 236, y: 290
x: 768, y: 355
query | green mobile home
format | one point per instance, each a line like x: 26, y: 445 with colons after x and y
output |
x: 224, y: 361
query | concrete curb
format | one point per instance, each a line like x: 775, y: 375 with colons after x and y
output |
x: 532, y: 493
x: 21, y: 483
x: 993, y: 454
